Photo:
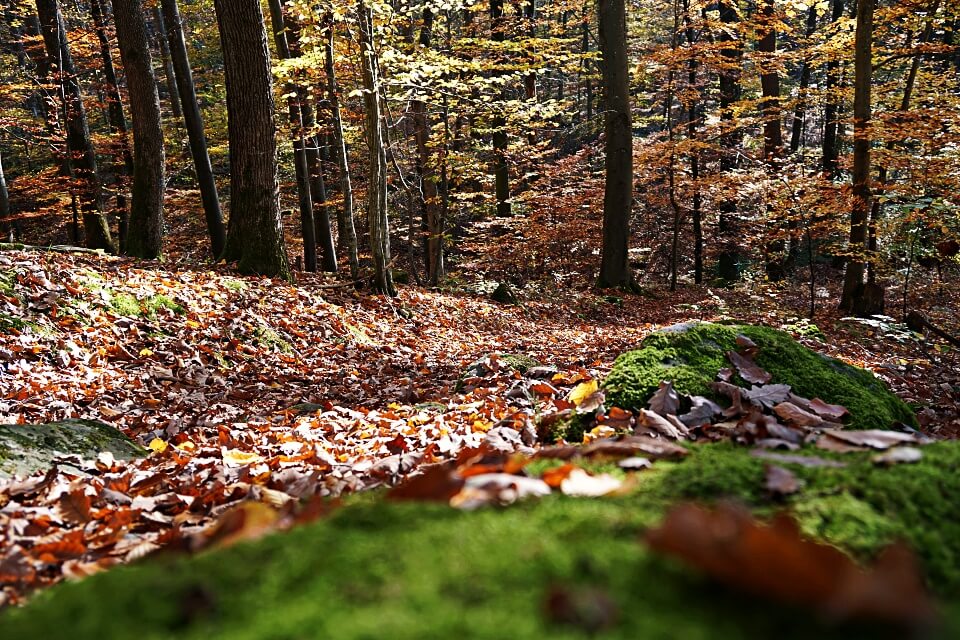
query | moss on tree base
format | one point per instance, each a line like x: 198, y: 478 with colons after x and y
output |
x: 690, y: 356
x: 415, y: 570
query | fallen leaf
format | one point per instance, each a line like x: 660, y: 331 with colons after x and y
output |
x: 497, y: 488
x: 780, y: 481
x: 238, y: 458
x: 748, y: 369
x: 873, y: 438
x: 702, y: 411
x: 158, y: 445
x: 795, y: 416
x: 832, y: 411
x: 582, y: 391
x: 899, y: 455
x: 635, y: 463
x: 652, y: 422
x: 438, y: 482
x: 774, y: 561
x: 665, y: 401
x: 768, y: 395
x: 581, y: 484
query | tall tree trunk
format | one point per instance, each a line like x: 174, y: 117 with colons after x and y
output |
x: 377, y: 176
x: 79, y: 145
x: 730, y: 258
x: 295, y: 106
x: 345, y: 227
x: 853, y: 298
x: 255, y: 234
x: 799, y: 113
x: 831, y: 112
x: 194, y: 123
x: 168, y: 69
x: 501, y: 169
x: 693, y: 115
x: 426, y: 166
x: 618, y: 190
x: 122, y: 157
x: 8, y: 224
x: 145, y: 235
x: 772, y: 131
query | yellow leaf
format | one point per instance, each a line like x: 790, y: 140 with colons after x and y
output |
x: 237, y: 458
x: 187, y: 446
x: 582, y: 391
x: 193, y: 324
x: 145, y: 353
x: 158, y: 445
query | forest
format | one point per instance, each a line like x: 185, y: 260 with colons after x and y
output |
x: 436, y: 318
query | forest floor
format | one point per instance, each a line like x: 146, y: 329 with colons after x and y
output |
x: 249, y: 388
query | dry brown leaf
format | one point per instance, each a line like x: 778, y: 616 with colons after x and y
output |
x: 748, y: 369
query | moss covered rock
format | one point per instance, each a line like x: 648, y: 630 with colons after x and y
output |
x: 691, y: 354
x: 416, y: 570
x: 25, y: 448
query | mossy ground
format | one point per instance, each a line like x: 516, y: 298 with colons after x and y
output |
x: 692, y: 358
x: 414, y: 570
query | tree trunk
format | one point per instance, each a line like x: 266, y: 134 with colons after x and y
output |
x: 194, y: 123
x: 854, y: 293
x: 428, y: 175
x: 345, y: 227
x: 831, y: 110
x: 145, y: 234
x: 618, y: 190
x: 501, y: 170
x: 79, y: 145
x: 9, y: 225
x: 377, y: 180
x: 799, y: 113
x: 255, y: 234
x: 730, y: 258
x: 295, y: 106
x: 772, y: 131
x: 168, y: 70
x: 122, y: 157
x: 693, y: 115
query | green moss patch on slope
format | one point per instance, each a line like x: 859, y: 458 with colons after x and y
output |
x: 691, y: 356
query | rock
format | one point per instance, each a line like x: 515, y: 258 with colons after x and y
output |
x: 690, y: 355
x: 504, y: 294
x: 26, y: 448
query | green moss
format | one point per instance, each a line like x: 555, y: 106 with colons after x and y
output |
x: 387, y: 570
x: 692, y: 357
x: 268, y: 338
x: 235, y: 285
x: 8, y: 280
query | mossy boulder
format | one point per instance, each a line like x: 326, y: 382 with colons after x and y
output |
x: 376, y: 569
x: 25, y: 448
x: 690, y: 355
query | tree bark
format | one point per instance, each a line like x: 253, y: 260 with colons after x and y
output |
x: 345, y: 228
x: 730, y: 258
x: 618, y: 190
x: 194, y: 122
x: 772, y: 131
x: 295, y: 106
x: 255, y: 233
x: 169, y: 72
x: 145, y: 233
x: 122, y: 157
x: 501, y: 169
x: 377, y: 176
x: 79, y: 145
x: 853, y: 286
x: 831, y: 112
x: 799, y: 113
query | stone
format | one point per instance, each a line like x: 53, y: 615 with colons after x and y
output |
x: 26, y: 448
x: 691, y: 354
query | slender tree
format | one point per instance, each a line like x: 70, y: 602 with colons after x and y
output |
x: 295, y: 100
x: 83, y: 158
x: 255, y: 235
x: 145, y: 234
x: 169, y: 72
x: 618, y: 191
x: 122, y: 157
x: 377, y: 176
x: 730, y: 258
x: 194, y: 123
x: 854, y: 298
x: 345, y: 228
x: 501, y: 169
x: 831, y: 112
